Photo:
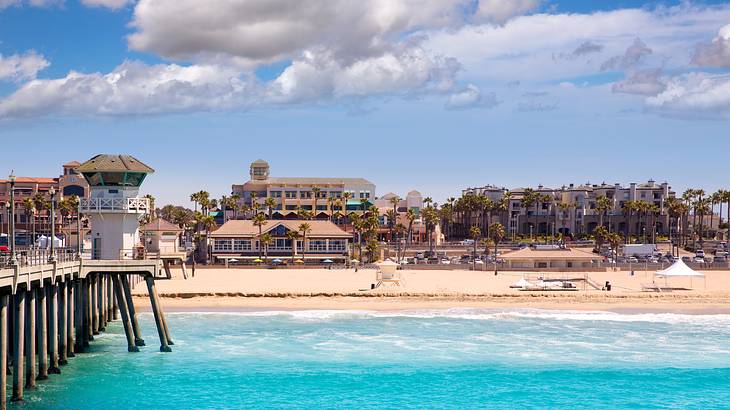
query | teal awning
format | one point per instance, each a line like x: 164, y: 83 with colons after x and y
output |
x: 356, y: 202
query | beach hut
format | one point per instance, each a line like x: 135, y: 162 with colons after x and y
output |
x: 679, y: 269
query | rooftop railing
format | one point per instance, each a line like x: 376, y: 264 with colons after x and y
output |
x: 129, y: 205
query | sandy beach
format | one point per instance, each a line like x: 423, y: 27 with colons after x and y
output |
x: 245, y: 289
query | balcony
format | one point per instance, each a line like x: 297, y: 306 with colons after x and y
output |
x: 115, y: 205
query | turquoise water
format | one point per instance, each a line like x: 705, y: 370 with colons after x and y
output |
x: 459, y: 358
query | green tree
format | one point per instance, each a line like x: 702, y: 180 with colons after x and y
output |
x: 304, y: 229
x: 270, y: 204
x: 259, y: 220
x: 265, y: 240
x: 497, y: 233
x: 293, y: 236
x: 475, y: 234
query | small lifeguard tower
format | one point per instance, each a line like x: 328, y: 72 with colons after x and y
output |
x: 114, y: 206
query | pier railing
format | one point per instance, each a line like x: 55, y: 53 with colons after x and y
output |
x: 38, y: 256
x: 130, y: 205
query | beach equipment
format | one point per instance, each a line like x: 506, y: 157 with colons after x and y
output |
x: 257, y: 260
x: 679, y: 269
x: 387, y: 273
x: 522, y: 283
x: 277, y: 261
x: 327, y: 261
x: 299, y: 261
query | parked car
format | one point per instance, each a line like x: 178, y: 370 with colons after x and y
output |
x: 700, y: 254
x: 697, y: 259
x: 445, y: 261
x: 686, y: 259
x: 633, y: 259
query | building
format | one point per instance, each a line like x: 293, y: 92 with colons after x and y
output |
x: 293, y: 193
x: 413, y: 201
x: 239, y: 239
x: 69, y: 183
x: 572, y: 210
x: 551, y: 258
x: 161, y: 237
x: 114, y: 207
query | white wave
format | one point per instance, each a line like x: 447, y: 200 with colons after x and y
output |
x: 481, y: 314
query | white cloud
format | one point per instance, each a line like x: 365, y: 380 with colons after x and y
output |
x: 471, y: 97
x: 500, y: 10
x: 111, y: 4
x: 633, y: 55
x: 694, y: 95
x: 132, y: 88
x: 34, y: 3
x: 513, y: 51
x: 21, y: 67
x: 716, y: 53
x: 642, y: 82
x: 255, y: 31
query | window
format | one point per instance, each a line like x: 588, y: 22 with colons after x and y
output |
x: 364, y: 195
x: 337, y: 246
x: 276, y: 194
x: 240, y: 245
x: 259, y: 171
x: 321, y: 207
x: 322, y: 194
x: 223, y: 245
x: 305, y: 194
x: 335, y: 194
x: 318, y: 245
x: 291, y: 194
x: 291, y: 207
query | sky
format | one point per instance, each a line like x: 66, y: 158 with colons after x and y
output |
x: 411, y: 94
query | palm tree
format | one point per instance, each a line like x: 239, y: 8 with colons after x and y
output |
x: 207, y: 222
x: 304, y: 228
x: 315, y: 195
x: 41, y: 203
x: 266, y: 240
x: 603, y: 205
x: 390, y: 214
x: 254, y: 203
x: 292, y: 236
x: 234, y: 200
x: 363, y: 202
x: 259, y: 220
x: 497, y: 232
x: 29, y: 207
x: 628, y: 210
x: 475, y: 234
x: 410, y: 217
x: 270, y: 204
x: 529, y: 198
x: 431, y: 218
x: 345, y: 197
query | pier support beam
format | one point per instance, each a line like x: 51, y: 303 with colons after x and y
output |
x: 42, y: 331
x: 100, y: 303
x: 93, y: 284
x: 138, y: 341
x: 88, y: 331
x: 3, y: 351
x: 30, y: 338
x: 18, y: 346
x: 157, y: 311
x: 79, y: 316
x: 53, y: 329
x: 110, y: 299
x: 70, y: 318
x: 62, y: 329
x: 118, y: 291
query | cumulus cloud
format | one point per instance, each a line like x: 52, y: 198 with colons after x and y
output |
x: 110, y: 4
x: 716, y: 53
x: 500, y: 11
x: 694, y: 95
x: 19, y: 67
x: 471, y: 97
x: 255, y: 31
x: 318, y: 75
x: 132, y: 88
x: 642, y: 82
x: 631, y: 57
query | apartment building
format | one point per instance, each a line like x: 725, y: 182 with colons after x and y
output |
x: 323, y: 196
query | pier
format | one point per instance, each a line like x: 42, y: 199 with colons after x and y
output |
x: 50, y: 311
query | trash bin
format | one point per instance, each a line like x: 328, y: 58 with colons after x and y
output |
x: 608, y: 286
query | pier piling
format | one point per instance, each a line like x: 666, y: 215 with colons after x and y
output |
x: 42, y: 330
x: 62, y: 329
x: 30, y: 338
x: 53, y: 330
x: 131, y: 347
x: 138, y: 341
x: 88, y: 331
x: 70, y: 318
x: 3, y: 350
x: 157, y: 312
x: 93, y: 305
x: 18, y: 346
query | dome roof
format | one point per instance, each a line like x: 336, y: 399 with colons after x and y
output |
x: 259, y: 162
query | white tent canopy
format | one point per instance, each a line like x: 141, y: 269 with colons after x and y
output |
x: 679, y: 268
x: 522, y: 283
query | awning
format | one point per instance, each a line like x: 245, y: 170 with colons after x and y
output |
x: 679, y: 268
x: 356, y: 202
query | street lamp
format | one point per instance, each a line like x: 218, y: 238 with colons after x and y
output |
x: 11, y: 227
x: 52, y: 255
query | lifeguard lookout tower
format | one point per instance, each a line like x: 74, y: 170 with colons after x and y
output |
x: 114, y: 206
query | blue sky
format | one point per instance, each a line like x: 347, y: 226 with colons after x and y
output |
x: 420, y: 96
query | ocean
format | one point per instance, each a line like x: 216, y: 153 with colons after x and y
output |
x: 455, y: 359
